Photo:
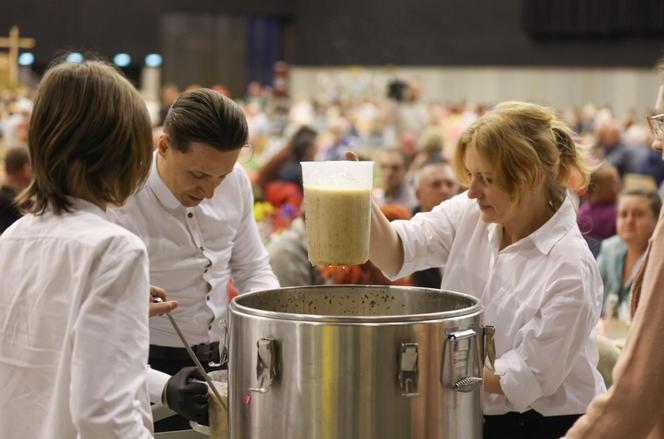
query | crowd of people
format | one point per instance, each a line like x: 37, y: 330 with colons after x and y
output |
x: 546, y: 216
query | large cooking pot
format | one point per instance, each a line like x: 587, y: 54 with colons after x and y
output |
x: 365, y: 362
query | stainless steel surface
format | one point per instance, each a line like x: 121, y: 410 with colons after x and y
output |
x: 182, y: 434
x: 223, y: 343
x: 408, y: 359
x: 194, y: 358
x: 267, y: 364
x: 355, y: 362
x: 489, y: 351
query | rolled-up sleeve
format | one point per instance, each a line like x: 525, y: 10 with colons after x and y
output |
x: 156, y: 382
x: 517, y: 380
x: 427, y: 238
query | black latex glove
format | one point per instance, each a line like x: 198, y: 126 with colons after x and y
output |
x: 187, y: 397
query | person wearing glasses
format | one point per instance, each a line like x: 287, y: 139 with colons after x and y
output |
x: 195, y: 215
x: 511, y: 240
x: 634, y: 406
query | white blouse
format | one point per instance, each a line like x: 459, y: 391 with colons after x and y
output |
x: 543, y: 294
x: 73, y: 328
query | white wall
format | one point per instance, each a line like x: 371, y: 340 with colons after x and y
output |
x: 622, y: 88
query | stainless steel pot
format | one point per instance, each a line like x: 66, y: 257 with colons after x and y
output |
x: 364, y: 362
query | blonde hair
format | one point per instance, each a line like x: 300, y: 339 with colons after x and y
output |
x: 524, y: 143
x: 89, y: 137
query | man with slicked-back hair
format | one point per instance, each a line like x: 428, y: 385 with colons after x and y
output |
x: 195, y: 215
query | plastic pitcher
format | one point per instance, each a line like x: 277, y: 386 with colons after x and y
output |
x: 337, y: 207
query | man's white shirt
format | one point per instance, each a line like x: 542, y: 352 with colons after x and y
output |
x: 194, y: 251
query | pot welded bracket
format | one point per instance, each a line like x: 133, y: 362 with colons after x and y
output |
x: 223, y: 345
x: 461, y: 343
x: 489, y: 351
x: 408, y: 359
x: 267, y: 365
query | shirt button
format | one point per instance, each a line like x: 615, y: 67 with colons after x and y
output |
x: 190, y: 215
x: 201, y: 247
x: 207, y: 297
x: 210, y: 327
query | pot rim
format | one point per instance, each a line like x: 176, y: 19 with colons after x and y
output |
x: 236, y: 307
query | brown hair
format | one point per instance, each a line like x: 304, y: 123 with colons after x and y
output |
x: 89, y: 137
x: 651, y: 196
x: 604, y: 184
x: 525, y: 143
x: 205, y: 116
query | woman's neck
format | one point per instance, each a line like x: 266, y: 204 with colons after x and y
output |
x: 635, y: 250
x: 634, y: 253
x: 533, y: 214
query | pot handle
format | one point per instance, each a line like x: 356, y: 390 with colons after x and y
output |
x: 267, y: 364
x: 460, y: 344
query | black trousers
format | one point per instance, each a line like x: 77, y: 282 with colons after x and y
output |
x: 171, y: 366
x: 527, y: 425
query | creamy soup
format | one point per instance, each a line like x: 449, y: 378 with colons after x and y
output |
x: 218, y: 415
x: 338, y: 223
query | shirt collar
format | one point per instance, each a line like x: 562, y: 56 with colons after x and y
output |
x: 555, y: 228
x: 82, y: 205
x: 159, y: 188
x: 548, y: 234
x: 495, y: 234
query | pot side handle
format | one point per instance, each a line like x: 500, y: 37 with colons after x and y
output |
x: 460, y: 345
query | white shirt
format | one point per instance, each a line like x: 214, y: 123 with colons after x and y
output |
x: 543, y: 294
x: 73, y: 328
x: 193, y: 252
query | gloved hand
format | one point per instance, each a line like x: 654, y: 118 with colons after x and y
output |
x: 188, y: 398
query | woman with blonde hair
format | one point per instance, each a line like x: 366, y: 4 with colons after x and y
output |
x: 511, y: 240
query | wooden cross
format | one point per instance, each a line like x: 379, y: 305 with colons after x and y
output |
x: 14, y: 43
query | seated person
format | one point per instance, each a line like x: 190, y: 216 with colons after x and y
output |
x: 18, y: 173
x: 621, y: 255
x: 597, y: 216
x: 435, y: 182
x: 281, y: 177
x: 289, y: 257
x: 432, y: 150
x: 395, y: 188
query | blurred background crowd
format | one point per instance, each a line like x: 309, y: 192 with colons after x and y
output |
x: 412, y: 141
x: 273, y: 59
